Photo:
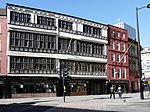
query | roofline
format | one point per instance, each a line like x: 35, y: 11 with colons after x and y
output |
x: 117, y: 27
x: 7, y: 4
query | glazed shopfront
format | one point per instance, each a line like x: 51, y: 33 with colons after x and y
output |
x: 32, y: 87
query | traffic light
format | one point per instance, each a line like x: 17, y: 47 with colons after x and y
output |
x: 66, y: 74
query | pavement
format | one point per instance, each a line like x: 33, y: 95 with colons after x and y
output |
x: 96, y: 102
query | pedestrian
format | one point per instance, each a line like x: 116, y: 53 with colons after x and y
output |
x: 119, y: 90
x: 112, y: 92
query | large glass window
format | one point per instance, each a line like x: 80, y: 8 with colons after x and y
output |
x: 65, y: 24
x: 31, y: 41
x: 31, y: 65
x: 20, y: 17
x: 45, y: 21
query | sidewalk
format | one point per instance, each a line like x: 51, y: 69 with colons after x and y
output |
x: 81, y: 101
x: 130, y: 98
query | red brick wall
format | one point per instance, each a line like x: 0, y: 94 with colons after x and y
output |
x: 3, y: 52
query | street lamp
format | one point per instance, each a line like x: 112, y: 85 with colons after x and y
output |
x: 139, y: 50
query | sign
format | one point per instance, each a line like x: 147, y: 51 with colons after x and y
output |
x: 149, y: 81
x: 1, y: 82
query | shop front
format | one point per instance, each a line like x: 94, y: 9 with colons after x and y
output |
x: 27, y: 87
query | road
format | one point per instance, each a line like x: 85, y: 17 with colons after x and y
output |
x: 92, y: 103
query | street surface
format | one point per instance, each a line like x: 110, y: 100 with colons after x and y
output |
x: 92, y: 103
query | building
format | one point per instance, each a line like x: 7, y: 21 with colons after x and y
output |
x: 36, y: 45
x: 133, y: 56
x: 133, y: 65
x: 145, y: 57
x: 130, y: 29
x: 117, y: 66
x: 3, y: 51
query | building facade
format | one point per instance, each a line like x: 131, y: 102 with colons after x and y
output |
x: 145, y: 57
x: 38, y: 42
x: 130, y: 29
x: 133, y: 65
x: 117, y: 66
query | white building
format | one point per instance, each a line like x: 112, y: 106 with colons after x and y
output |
x: 130, y: 29
x: 145, y: 57
x: 40, y: 42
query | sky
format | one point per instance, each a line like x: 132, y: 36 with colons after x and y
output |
x: 102, y: 11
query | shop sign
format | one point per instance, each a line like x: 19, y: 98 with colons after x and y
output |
x: 149, y: 81
x: 1, y: 82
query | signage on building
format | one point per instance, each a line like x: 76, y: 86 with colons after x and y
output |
x: 149, y: 81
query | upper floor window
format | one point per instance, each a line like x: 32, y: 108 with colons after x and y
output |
x: 111, y: 32
x: 96, y: 31
x: 20, y: 17
x: 117, y: 34
x: 117, y: 46
x: 124, y: 59
x: 87, y: 29
x: 45, y: 21
x: 111, y: 44
x: 123, y: 73
x: 122, y: 35
x: 118, y: 57
x: 123, y: 47
x: 118, y: 73
x: 65, y: 24
x: 91, y: 30
x: 113, y: 72
x: 112, y: 57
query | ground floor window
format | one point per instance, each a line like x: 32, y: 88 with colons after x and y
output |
x: 33, y: 87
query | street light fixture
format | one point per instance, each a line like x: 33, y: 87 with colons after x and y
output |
x: 139, y: 50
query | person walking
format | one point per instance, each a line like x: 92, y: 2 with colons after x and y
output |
x: 119, y: 90
x: 112, y: 92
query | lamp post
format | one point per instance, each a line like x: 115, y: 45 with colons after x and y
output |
x: 139, y: 50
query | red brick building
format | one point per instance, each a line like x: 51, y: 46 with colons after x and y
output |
x: 3, y: 50
x: 117, y: 66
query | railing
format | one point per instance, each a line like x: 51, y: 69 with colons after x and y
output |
x: 33, y: 25
x: 87, y: 73
x: 82, y: 54
x: 83, y: 34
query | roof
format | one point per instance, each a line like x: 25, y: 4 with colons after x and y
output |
x: 55, y: 13
x: 2, y: 12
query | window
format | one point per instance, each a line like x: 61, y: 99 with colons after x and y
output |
x: 123, y: 47
x: 112, y: 57
x: 111, y: 44
x: 123, y: 73
x: 20, y: 17
x: 96, y: 31
x: 117, y: 34
x: 148, y: 67
x: 117, y: 46
x: 122, y: 35
x: 113, y: 72
x: 124, y: 59
x: 118, y: 73
x: 91, y: 30
x: 111, y: 33
x: 87, y: 29
x: 45, y: 21
x: 118, y: 57
x: 65, y: 24
x: 30, y: 65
